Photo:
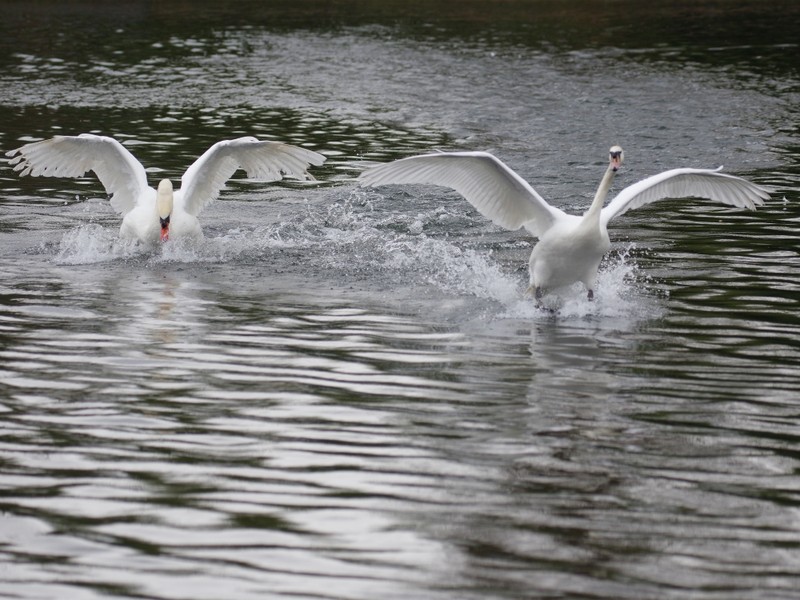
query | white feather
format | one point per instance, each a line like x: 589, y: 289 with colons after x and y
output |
x: 496, y: 191
x: 269, y: 161
x: 122, y: 176
x: 686, y: 183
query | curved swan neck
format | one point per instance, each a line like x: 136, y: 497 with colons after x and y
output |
x: 164, y: 198
x: 164, y: 201
x: 600, y: 195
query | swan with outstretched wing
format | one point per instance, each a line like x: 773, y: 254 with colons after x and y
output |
x: 570, y: 247
x: 148, y: 214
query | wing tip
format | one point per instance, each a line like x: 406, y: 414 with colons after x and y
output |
x: 318, y: 158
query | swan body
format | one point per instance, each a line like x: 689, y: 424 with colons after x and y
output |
x: 570, y: 247
x: 150, y: 215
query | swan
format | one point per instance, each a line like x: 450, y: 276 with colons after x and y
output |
x: 150, y: 215
x: 570, y: 247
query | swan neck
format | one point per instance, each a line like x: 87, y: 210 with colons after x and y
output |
x: 600, y: 195
x: 164, y: 207
x: 164, y: 198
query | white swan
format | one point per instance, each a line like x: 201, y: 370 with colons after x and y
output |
x: 151, y: 215
x: 570, y: 247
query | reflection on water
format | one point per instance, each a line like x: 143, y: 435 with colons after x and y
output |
x: 206, y: 427
x: 343, y: 393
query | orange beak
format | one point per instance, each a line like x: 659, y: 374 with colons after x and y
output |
x: 165, y: 229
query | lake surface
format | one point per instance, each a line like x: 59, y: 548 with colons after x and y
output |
x: 344, y: 393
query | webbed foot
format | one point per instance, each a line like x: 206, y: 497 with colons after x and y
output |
x: 537, y: 294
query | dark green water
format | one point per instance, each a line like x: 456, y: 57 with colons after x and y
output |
x: 343, y: 393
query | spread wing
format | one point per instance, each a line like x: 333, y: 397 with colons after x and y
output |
x: 122, y: 176
x: 496, y: 191
x: 271, y: 161
x: 686, y: 183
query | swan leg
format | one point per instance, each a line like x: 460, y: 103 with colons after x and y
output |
x: 537, y: 294
x: 534, y: 291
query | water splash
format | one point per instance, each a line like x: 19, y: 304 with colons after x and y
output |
x: 621, y: 293
x: 93, y: 243
x: 355, y: 240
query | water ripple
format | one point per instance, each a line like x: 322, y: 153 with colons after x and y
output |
x: 344, y: 393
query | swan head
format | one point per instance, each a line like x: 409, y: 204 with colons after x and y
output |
x: 615, y: 157
x: 164, y: 206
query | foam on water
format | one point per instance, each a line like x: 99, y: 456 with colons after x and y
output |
x: 353, y: 241
x: 93, y: 243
